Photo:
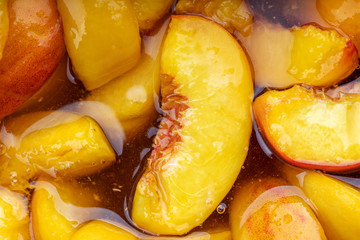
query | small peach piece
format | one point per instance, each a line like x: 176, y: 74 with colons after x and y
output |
x: 56, y: 142
x: 321, y: 57
x: 337, y: 204
x: 99, y: 230
x: 34, y: 47
x: 149, y: 12
x: 271, y: 209
x: 206, y: 98
x: 231, y: 14
x: 212, y: 234
x: 14, y: 217
x: 344, y: 14
x: 57, y: 209
x: 102, y: 38
x: 309, y: 129
x: 304, y: 54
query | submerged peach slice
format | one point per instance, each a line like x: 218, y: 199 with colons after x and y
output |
x: 149, y: 12
x: 337, y: 204
x: 304, y: 54
x: 233, y: 15
x: 202, y: 142
x: 344, y: 14
x: 102, y: 38
x: 59, y: 143
x: 58, y: 209
x: 14, y: 217
x: 271, y: 209
x: 309, y: 129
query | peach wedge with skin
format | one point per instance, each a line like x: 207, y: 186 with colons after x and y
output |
x: 33, y: 49
x: 337, y: 203
x: 309, y: 129
x: 202, y: 142
x: 272, y: 209
x: 102, y: 38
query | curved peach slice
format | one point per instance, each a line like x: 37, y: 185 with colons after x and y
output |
x: 206, y: 97
x: 4, y: 25
x: 56, y: 142
x: 132, y: 96
x: 337, y: 204
x: 98, y: 230
x: 149, y: 12
x: 14, y: 218
x: 309, y: 129
x: 233, y: 15
x: 271, y: 209
x: 59, y: 208
x: 101, y: 37
x: 304, y: 54
x: 33, y: 49
x: 344, y: 14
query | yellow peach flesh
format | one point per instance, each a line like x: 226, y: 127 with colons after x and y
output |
x: 206, y: 91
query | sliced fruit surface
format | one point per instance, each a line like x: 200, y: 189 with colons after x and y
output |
x: 337, y: 204
x: 270, y: 208
x: 59, y: 142
x: 231, y: 14
x: 58, y: 208
x: 149, y: 12
x: 102, y: 38
x: 306, y: 54
x: 132, y: 96
x: 309, y: 129
x: 14, y: 218
x: 344, y: 14
x: 206, y: 93
x: 34, y: 47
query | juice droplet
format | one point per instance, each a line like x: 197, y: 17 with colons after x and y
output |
x: 221, y: 208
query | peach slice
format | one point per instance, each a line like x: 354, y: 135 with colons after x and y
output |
x: 271, y: 209
x: 55, y: 142
x: 344, y: 14
x: 102, y: 38
x: 337, y: 204
x: 309, y: 129
x: 14, y: 218
x: 233, y: 15
x: 4, y: 25
x: 132, y: 96
x: 34, y: 47
x: 59, y: 208
x: 304, y: 54
x: 149, y: 12
x: 206, y: 92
